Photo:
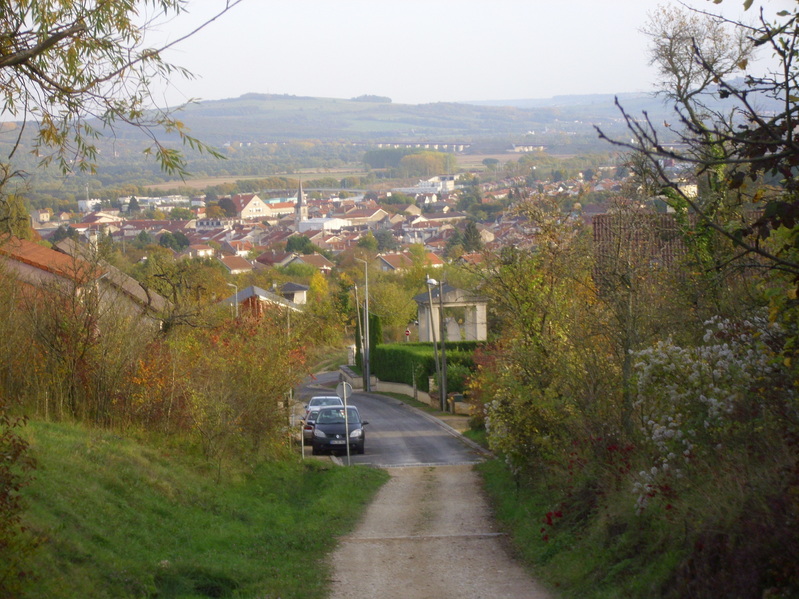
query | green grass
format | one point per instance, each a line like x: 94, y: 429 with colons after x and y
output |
x: 479, y: 437
x: 329, y: 358
x: 415, y: 403
x: 119, y: 519
x: 582, y: 559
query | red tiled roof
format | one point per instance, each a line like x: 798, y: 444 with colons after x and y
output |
x: 49, y: 260
x: 235, y: 263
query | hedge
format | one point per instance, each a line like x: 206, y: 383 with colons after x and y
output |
x: 399, y: 362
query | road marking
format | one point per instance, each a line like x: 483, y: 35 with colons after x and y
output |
x: 475, y: 535
x: 422, y: 464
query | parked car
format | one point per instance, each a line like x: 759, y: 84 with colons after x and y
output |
x: 330, y: 433
x: 311, y: 409
x: 318, y: 401
x: 308, y: 422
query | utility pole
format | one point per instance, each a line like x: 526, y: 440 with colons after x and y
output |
x: 443, y: 330
x: 367, y: 341
x: 430, y: 284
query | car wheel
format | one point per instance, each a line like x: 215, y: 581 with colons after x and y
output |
x: 314, y: 450
x: 360, y: 450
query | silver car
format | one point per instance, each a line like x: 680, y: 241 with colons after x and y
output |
x: 312, y: 409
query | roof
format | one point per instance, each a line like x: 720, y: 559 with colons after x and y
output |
x: 261, y: 295
x: 397, y: 261
x: 116, y: 278
x: 57, y: 263
x: 316, y: 260
x: 242, y: 200
x: 235, y: 263
x: 293, y: 287
x: 274, y: 258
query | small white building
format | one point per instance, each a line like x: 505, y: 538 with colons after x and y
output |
x: 323, y: 224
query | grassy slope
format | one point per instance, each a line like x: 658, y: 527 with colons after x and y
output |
x: 121, y: 519
x: 585, y: 560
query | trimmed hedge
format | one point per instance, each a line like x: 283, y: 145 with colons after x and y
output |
x: 399, y: 362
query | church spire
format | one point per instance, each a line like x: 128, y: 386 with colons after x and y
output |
x: 300, y: 208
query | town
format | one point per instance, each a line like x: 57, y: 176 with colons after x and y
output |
x: 279, y: 345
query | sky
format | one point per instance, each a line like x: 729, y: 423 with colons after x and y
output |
x: 418, y: 51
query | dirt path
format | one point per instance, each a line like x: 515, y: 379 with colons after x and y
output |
x: 429, y: 534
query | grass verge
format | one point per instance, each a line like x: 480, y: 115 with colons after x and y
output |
x: 602, y: 556
x: 119, y: 519
x: 415, y: 403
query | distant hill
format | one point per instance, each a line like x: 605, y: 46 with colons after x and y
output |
x: 274, y: 118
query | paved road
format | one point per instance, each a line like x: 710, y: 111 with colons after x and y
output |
x: 399, y: 435
x: 429, y: 533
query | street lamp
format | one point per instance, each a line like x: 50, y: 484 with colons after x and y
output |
x: 235, y: 298
x: 430, y: 284
x: 442, y: 328
x: 366, y: 341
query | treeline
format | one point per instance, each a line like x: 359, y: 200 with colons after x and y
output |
x: 409, y: 162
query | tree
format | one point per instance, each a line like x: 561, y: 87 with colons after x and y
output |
x: 181, y: 240
x: 386, y: 240
x: 143, y: 238
x: 394, y: 305
x: 427, y: 164
x: 299, y: 244
x: 179, y: 213
x: 228, y: 206
x: 14, y: 218
x: 66, y: 63
x: 472, y: 241
x: 214, y: 211
x: 65, y: 232
x: 175, y: 241
x: 454, y: 248
x: 731, y: 131
x: 368, y: 242
x: 133, y: 205
x: 733, y: 135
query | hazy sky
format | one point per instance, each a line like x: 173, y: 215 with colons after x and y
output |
x: 419, y: 51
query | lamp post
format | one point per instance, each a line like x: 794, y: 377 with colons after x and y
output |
x: 358, y: 315
x: 443, y: 336
x: 366, y: 342
x: 235, y: 298
x: 430, y: 284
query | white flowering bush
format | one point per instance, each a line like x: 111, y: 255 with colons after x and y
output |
x: 694, y: 404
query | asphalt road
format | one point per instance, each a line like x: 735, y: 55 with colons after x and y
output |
x: 398, y: 434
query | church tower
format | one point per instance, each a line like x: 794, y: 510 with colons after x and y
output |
x: 300, y: 209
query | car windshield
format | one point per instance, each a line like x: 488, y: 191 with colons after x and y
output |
x: 325, y: 401
x: 337, y: 416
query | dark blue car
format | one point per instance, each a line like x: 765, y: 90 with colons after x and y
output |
x: 332, y: 432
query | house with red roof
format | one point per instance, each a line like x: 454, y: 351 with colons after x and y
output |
x: 235, y: 265
x: 71, y: 272
x: 318, y: 261
x: 250, y: 206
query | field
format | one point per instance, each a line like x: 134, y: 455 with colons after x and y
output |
x: 466, y: 162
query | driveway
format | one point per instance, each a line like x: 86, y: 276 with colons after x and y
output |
x: 429, y: 534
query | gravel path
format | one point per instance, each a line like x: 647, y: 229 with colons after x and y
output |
x: 429, y: 534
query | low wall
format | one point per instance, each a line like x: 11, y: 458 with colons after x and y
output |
x: 356, y: 380
x: 401, y: 388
